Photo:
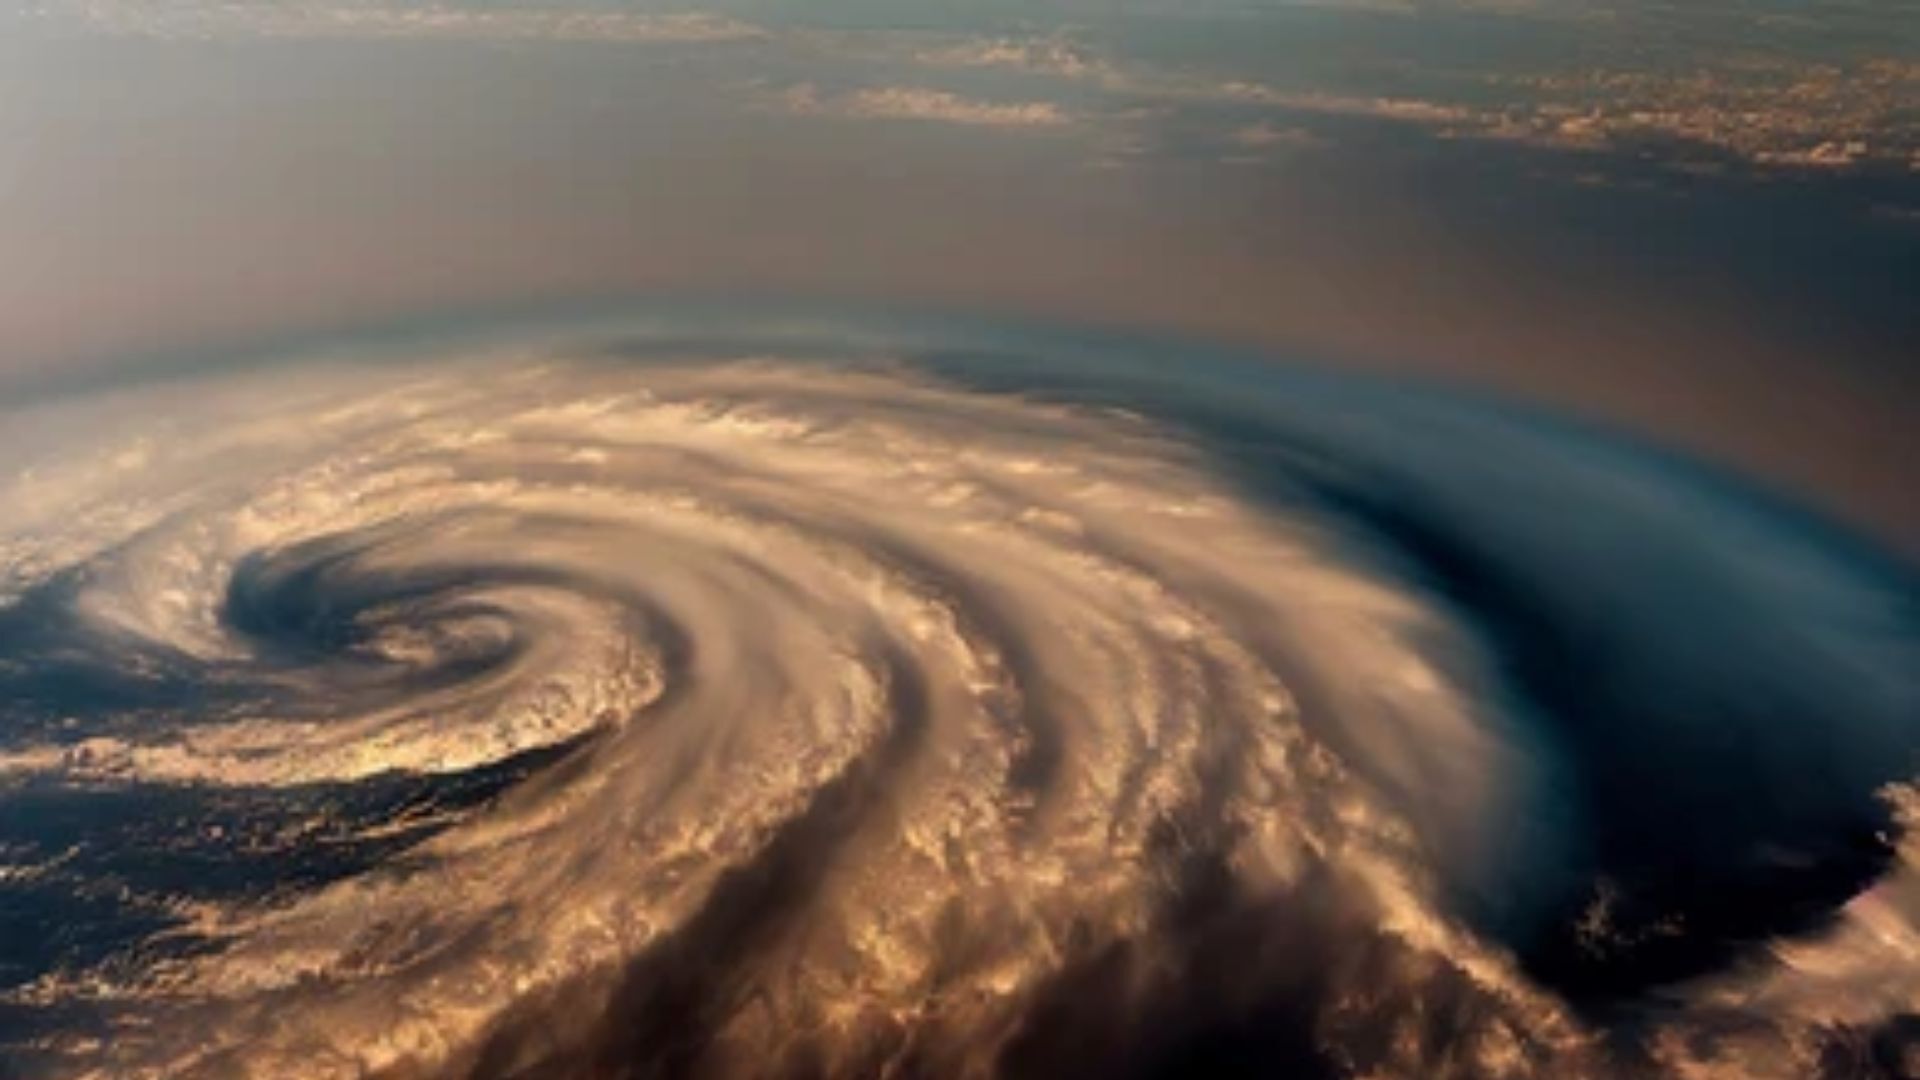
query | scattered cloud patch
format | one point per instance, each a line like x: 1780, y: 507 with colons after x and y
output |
x: 1767, y: 112
x: 1767, y: 115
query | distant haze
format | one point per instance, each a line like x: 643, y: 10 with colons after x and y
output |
x: 167, y: 184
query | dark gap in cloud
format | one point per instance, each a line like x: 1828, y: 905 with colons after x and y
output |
x: 1717, y: 815
x: 1220, y: 986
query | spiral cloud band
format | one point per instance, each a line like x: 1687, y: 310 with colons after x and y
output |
x: 859, y: 699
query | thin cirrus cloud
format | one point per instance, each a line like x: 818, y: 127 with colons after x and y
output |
x: 1266, y: 134
x: 197, y: 19
x: 924, y: 104
x: 1040, y: 56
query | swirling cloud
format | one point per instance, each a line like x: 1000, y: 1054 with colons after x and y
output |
x: 737, y: 713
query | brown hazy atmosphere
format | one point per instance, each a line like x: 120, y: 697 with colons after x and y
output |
x: 164, y: 192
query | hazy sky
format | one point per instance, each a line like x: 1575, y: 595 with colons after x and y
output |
x: 1700, y: 220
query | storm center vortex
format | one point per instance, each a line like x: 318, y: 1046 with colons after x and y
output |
x: 563, y: 716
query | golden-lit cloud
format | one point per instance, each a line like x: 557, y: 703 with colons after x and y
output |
x: 902, y: 720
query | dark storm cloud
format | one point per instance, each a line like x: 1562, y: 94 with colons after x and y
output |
x: 1221, y: 984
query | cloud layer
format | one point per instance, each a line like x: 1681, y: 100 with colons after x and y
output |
x: 591, y: 702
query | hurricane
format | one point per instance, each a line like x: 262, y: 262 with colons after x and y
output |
x: 795, y: 695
